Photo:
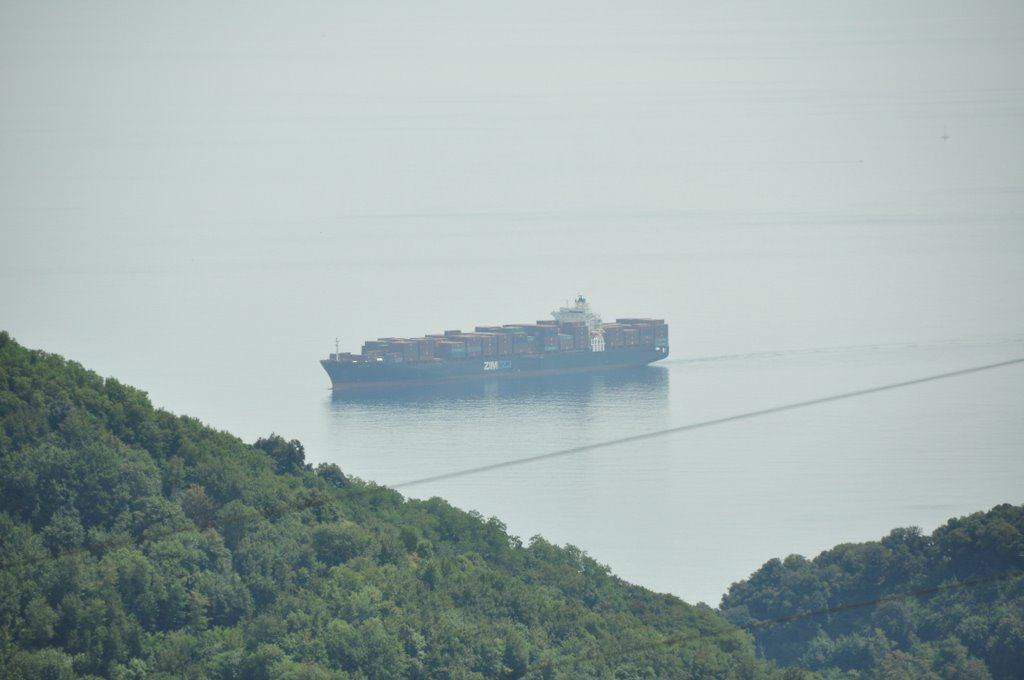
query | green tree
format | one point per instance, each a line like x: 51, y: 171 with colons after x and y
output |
x: 289, y: 456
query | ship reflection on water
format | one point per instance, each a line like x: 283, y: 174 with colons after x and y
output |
x: 394, y: 436
x: 649, y: 383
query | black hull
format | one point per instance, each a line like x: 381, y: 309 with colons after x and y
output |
x: 379, y: 375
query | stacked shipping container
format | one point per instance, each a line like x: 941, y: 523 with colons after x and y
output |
x: 488, y: 342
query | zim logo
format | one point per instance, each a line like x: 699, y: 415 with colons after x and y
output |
x: 504, y: 364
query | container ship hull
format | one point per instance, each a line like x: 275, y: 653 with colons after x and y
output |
x: 357, y: 375
x: 575, y: 341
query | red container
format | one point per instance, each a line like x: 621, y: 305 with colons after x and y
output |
x: 426, y: 346
x: 489, y: 344
x: 472, y: 340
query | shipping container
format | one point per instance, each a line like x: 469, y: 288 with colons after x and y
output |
x: 450, y: 349
x: 630, y: 322
x: 489, y: 347
x: 505, y: 344
x: 490, y: 343
x: 471, y: 340
x: 661, y: 336
x: 425, y: 347
x: 614, y: 335
x: 409, y: 350
x: 520, y: 343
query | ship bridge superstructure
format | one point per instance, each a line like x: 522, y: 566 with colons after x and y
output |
x: 580, y: 311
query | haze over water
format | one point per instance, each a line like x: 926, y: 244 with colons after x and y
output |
x: 818, y: 198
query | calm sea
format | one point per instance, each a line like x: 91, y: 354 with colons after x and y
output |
x: 818, y: 198
x: 686, y: 513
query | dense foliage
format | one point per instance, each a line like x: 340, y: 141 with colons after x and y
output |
x: 949, y: 605
x: 135, y: 543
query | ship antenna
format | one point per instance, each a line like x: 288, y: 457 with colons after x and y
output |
x: 337, y: 349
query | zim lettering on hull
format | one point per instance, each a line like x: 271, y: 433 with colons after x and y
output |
x: 502, y: 365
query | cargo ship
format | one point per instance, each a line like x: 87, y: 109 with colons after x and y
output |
x: 574, y: 341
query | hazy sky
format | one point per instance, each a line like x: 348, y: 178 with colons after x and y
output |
x: 148, y: 148
x: 246, y: 118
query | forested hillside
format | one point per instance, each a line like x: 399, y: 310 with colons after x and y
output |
x: 949, y: 605
x: 140, y: 544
